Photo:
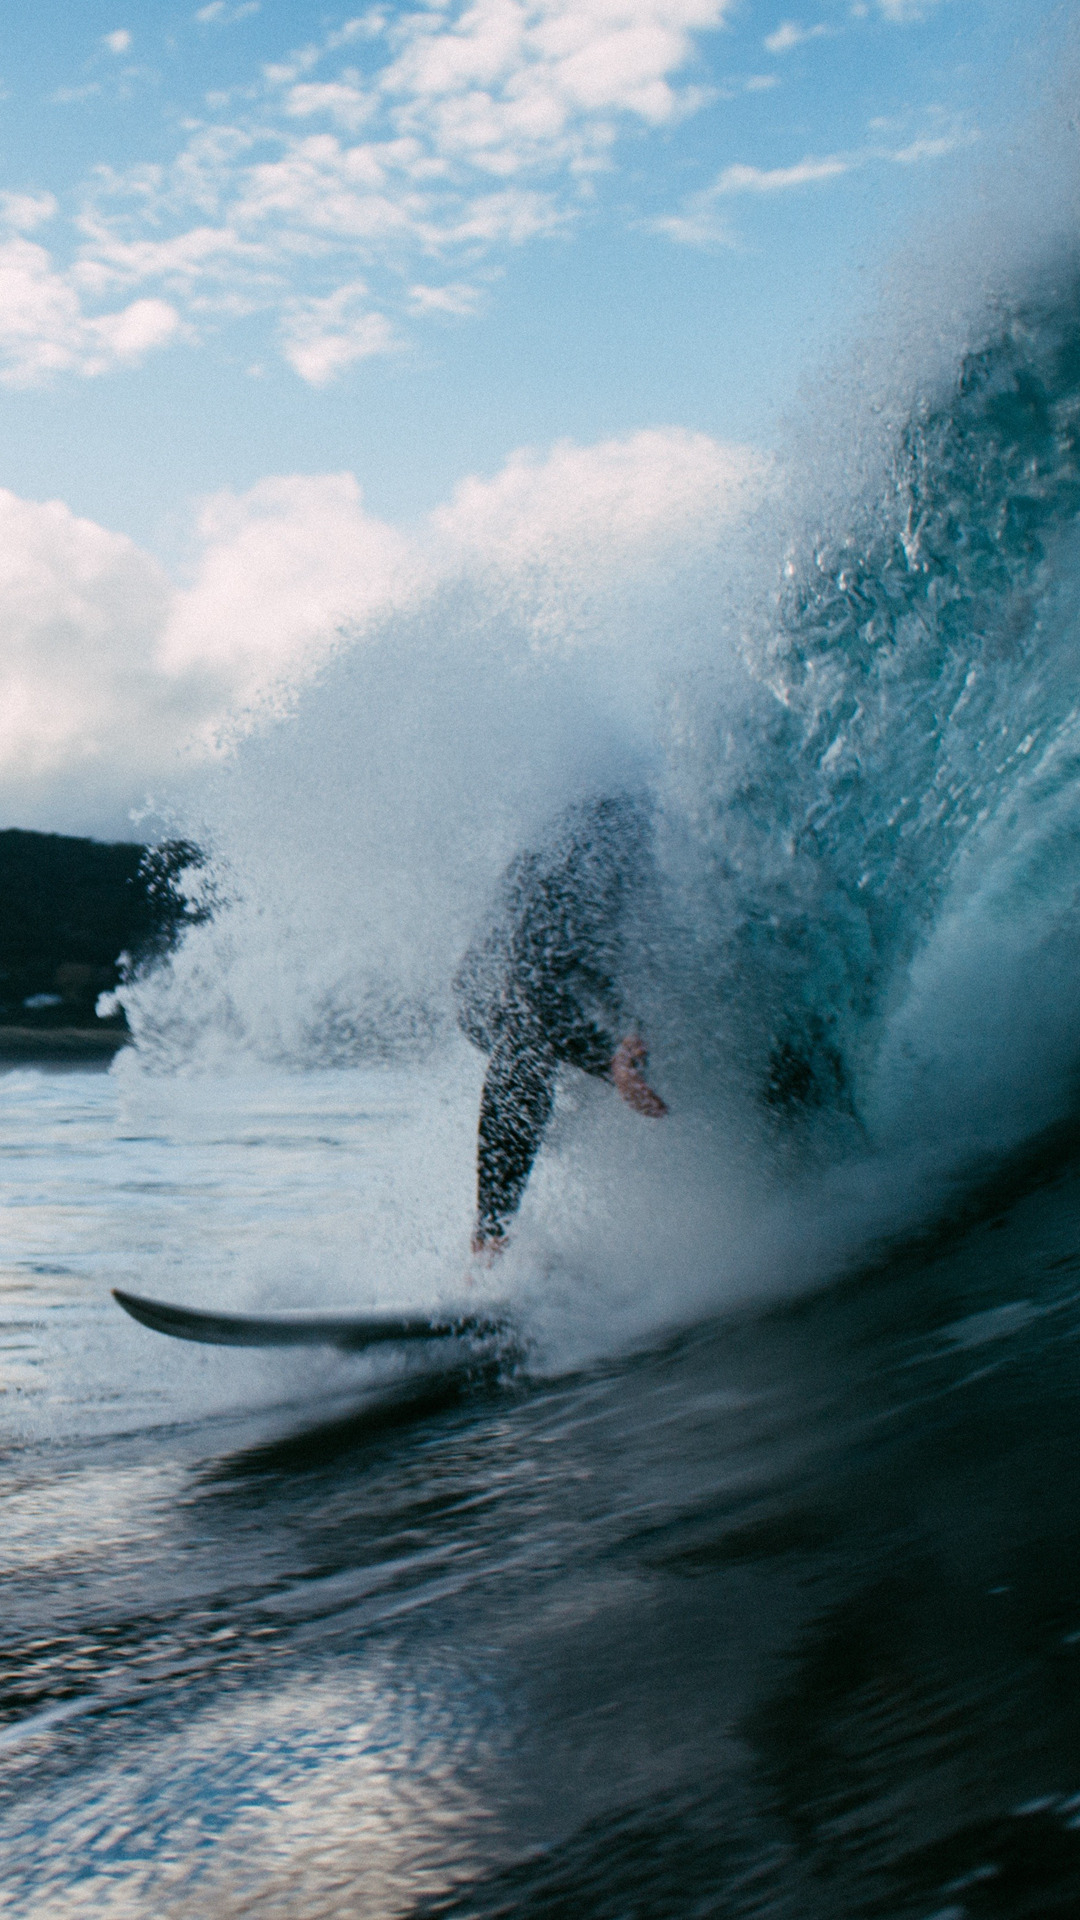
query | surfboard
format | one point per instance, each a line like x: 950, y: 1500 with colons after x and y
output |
x: 351, y: 1332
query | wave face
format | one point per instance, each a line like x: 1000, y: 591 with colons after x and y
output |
x: 855, y: 704
x: 891, y: 848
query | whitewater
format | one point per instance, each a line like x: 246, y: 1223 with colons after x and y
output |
x: 853, y: 708
x: 743, y: 1582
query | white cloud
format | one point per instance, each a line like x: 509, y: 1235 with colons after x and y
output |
x: 805, y: 173
x: 114, y: 681
x: 579, y: 508
x: 789, y: 34
x: 22, y: 212
x: 504, y: 75
x: 701, y: 222
x: 218, y: 14
x: 933, y: 147
x: 132, y: 333
x: 343, y: 101
x: 323, y: 190
x: 44, y: 330
x: 323, y: 336
x: 901, y: 12
x: 187, y: 264
x: 117, y: 42
x: 456, y: 298
x: 70, y: 96
x: 84, y: 712
x: 281, y: 568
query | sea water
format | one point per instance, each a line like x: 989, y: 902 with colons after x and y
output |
x: 744, y: 1581
x: 774, y: 1614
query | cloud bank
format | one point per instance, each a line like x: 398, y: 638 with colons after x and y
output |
x: 117, y: 685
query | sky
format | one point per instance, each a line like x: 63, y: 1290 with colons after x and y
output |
x: 294, y: 297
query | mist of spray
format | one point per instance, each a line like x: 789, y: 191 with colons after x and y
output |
x: 851, y: 687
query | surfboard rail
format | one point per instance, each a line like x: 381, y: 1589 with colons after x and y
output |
x: 349, y: 1332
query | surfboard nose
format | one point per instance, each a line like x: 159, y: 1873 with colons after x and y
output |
x: 351, y: 1332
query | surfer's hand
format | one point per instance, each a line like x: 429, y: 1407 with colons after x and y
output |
x: 630, y: 1056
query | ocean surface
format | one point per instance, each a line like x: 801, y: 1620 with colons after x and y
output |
x: 743, y: 1577
x: 776, y: 1613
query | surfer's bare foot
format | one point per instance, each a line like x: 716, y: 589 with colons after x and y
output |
x: 631, y: 1055
x: 486, y: 1247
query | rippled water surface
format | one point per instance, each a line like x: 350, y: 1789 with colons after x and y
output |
x: 778, y: 1615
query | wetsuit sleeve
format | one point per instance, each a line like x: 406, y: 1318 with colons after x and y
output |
x: 582, y: 1042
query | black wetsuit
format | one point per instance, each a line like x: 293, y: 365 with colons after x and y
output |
x: 541, y: 987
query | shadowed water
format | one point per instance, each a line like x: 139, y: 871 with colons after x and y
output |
x: 778, y: 1616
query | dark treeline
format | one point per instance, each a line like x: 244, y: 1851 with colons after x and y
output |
x: 70, y: 909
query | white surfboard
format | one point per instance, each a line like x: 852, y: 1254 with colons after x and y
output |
x: 351, y: 1332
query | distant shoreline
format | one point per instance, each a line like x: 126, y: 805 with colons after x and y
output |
x: 60, y: 1046
x: 80, y: 918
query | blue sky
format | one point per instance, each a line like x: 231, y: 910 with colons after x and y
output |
x: 248, y: 242
x: 250, y: 238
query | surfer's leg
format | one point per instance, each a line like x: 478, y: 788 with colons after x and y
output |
x: 514, y: 1110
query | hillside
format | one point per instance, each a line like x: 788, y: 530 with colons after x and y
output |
x: 69, y: 909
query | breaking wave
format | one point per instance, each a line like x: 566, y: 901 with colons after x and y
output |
x: 853, y: 689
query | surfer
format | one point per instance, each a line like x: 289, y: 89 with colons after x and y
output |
x: 540, y: 989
